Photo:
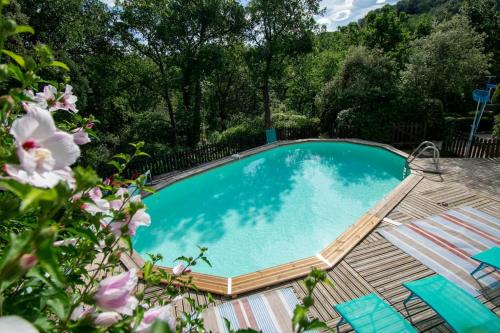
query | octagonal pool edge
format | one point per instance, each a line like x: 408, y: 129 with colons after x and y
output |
x: 325, y: 259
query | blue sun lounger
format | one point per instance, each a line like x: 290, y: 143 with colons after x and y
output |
x: 370, y: 314
x: 488, y: 258
x: 461, y: 311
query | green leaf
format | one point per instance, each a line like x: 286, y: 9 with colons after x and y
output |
x: 85, y: 233
x: 36, y: 195
x: 16, y: 188
x: 308, y: 301
x: 160, y: 326
x: 183, y: 258
x: 147, y: 269
x: 299, y: 315
x: 17, y: 245
x: 48, y: 260
x: 228, y: 324
x: 15, y: 72
x: 59, y: 304
x: 29, y: 195
x: 24, y: 29
x: 148, y: 189
x: 39, y: 274
x: 117, y: 165
x: 16, y: 57
x: 128, y: 242
x: 44, y: 323
x: 122, y: 156
x: 328, y: 282
x: 205, y: 259
x: 85, y: 178
x: 141, y: 153
x: 59, y: 64
x: 315, y: 324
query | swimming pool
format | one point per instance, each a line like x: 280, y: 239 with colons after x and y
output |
x: 274, y: 207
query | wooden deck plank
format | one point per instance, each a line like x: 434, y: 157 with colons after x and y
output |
x: 376, y: 265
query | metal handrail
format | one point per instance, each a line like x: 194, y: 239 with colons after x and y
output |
x: 422, y: 148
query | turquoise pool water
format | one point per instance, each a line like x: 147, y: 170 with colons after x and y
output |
x: 278, y: 206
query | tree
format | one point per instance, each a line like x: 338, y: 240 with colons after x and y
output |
x: 445, y: 64
x: 143, y: 27
x: 384, y: 29
x: 278, y: 30
x: 484, y: 17
x: 425, y: 6
x: 365, y: 85
x: 185, y: 34
x: 77, y: 30
x: 229, y: 91
x: 64, y: 229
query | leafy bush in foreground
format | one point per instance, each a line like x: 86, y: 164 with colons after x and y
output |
x: 64, y: 229
x: 496, y: 127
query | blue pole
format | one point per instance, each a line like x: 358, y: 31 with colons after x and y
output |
x: 482, y: 97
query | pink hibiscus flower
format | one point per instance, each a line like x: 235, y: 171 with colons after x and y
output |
x: 164, y: 313
x: 44, y: 152
x: 67, y: 101
x: 80, y: 136
x: 139, y: 219
x: 115, y: 293
x: 98, y: 204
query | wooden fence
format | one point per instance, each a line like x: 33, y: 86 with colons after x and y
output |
x: 408, y: 135
x: 456, y: 145
x: 296, y: 133
x: 341, y: 132
x: 165, y: 163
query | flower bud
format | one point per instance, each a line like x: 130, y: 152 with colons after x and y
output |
x: 4, y: 72
x: 65, y: 242
x: 179, y: 269
x: 81, y: 311
x: 48, y: 232
x: 9, y: 26
x: 27, y: 261
x: 107, y: 319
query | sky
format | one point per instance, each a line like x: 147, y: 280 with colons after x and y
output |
x: 338, y: 12
x: 342, y: 12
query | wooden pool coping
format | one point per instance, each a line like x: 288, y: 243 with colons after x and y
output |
x: 325, y: 259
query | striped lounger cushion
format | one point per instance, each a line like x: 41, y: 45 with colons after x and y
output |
x: 269, y: 312
x: 447, y: 241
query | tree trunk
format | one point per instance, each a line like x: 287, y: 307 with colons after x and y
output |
x: 265, y: 93
x: 170, y: 109
x: 222, y: 114
x: 267, y: 106
x: 196, y: 123
x: 221, y: 101
x: 171, y: 115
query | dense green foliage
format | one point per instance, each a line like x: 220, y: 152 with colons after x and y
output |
x: 65, y: 230
x: 171, y: 74
x: 496, y: 127
x: 176, y: 73
x: 362, y: 93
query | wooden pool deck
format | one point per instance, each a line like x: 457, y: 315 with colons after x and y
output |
x: 375, y: 265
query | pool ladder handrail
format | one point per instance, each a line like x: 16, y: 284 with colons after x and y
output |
x: 422, y: 148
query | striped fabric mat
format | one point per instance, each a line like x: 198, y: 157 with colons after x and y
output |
x: 445, y: 243
x: 269, y: 312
